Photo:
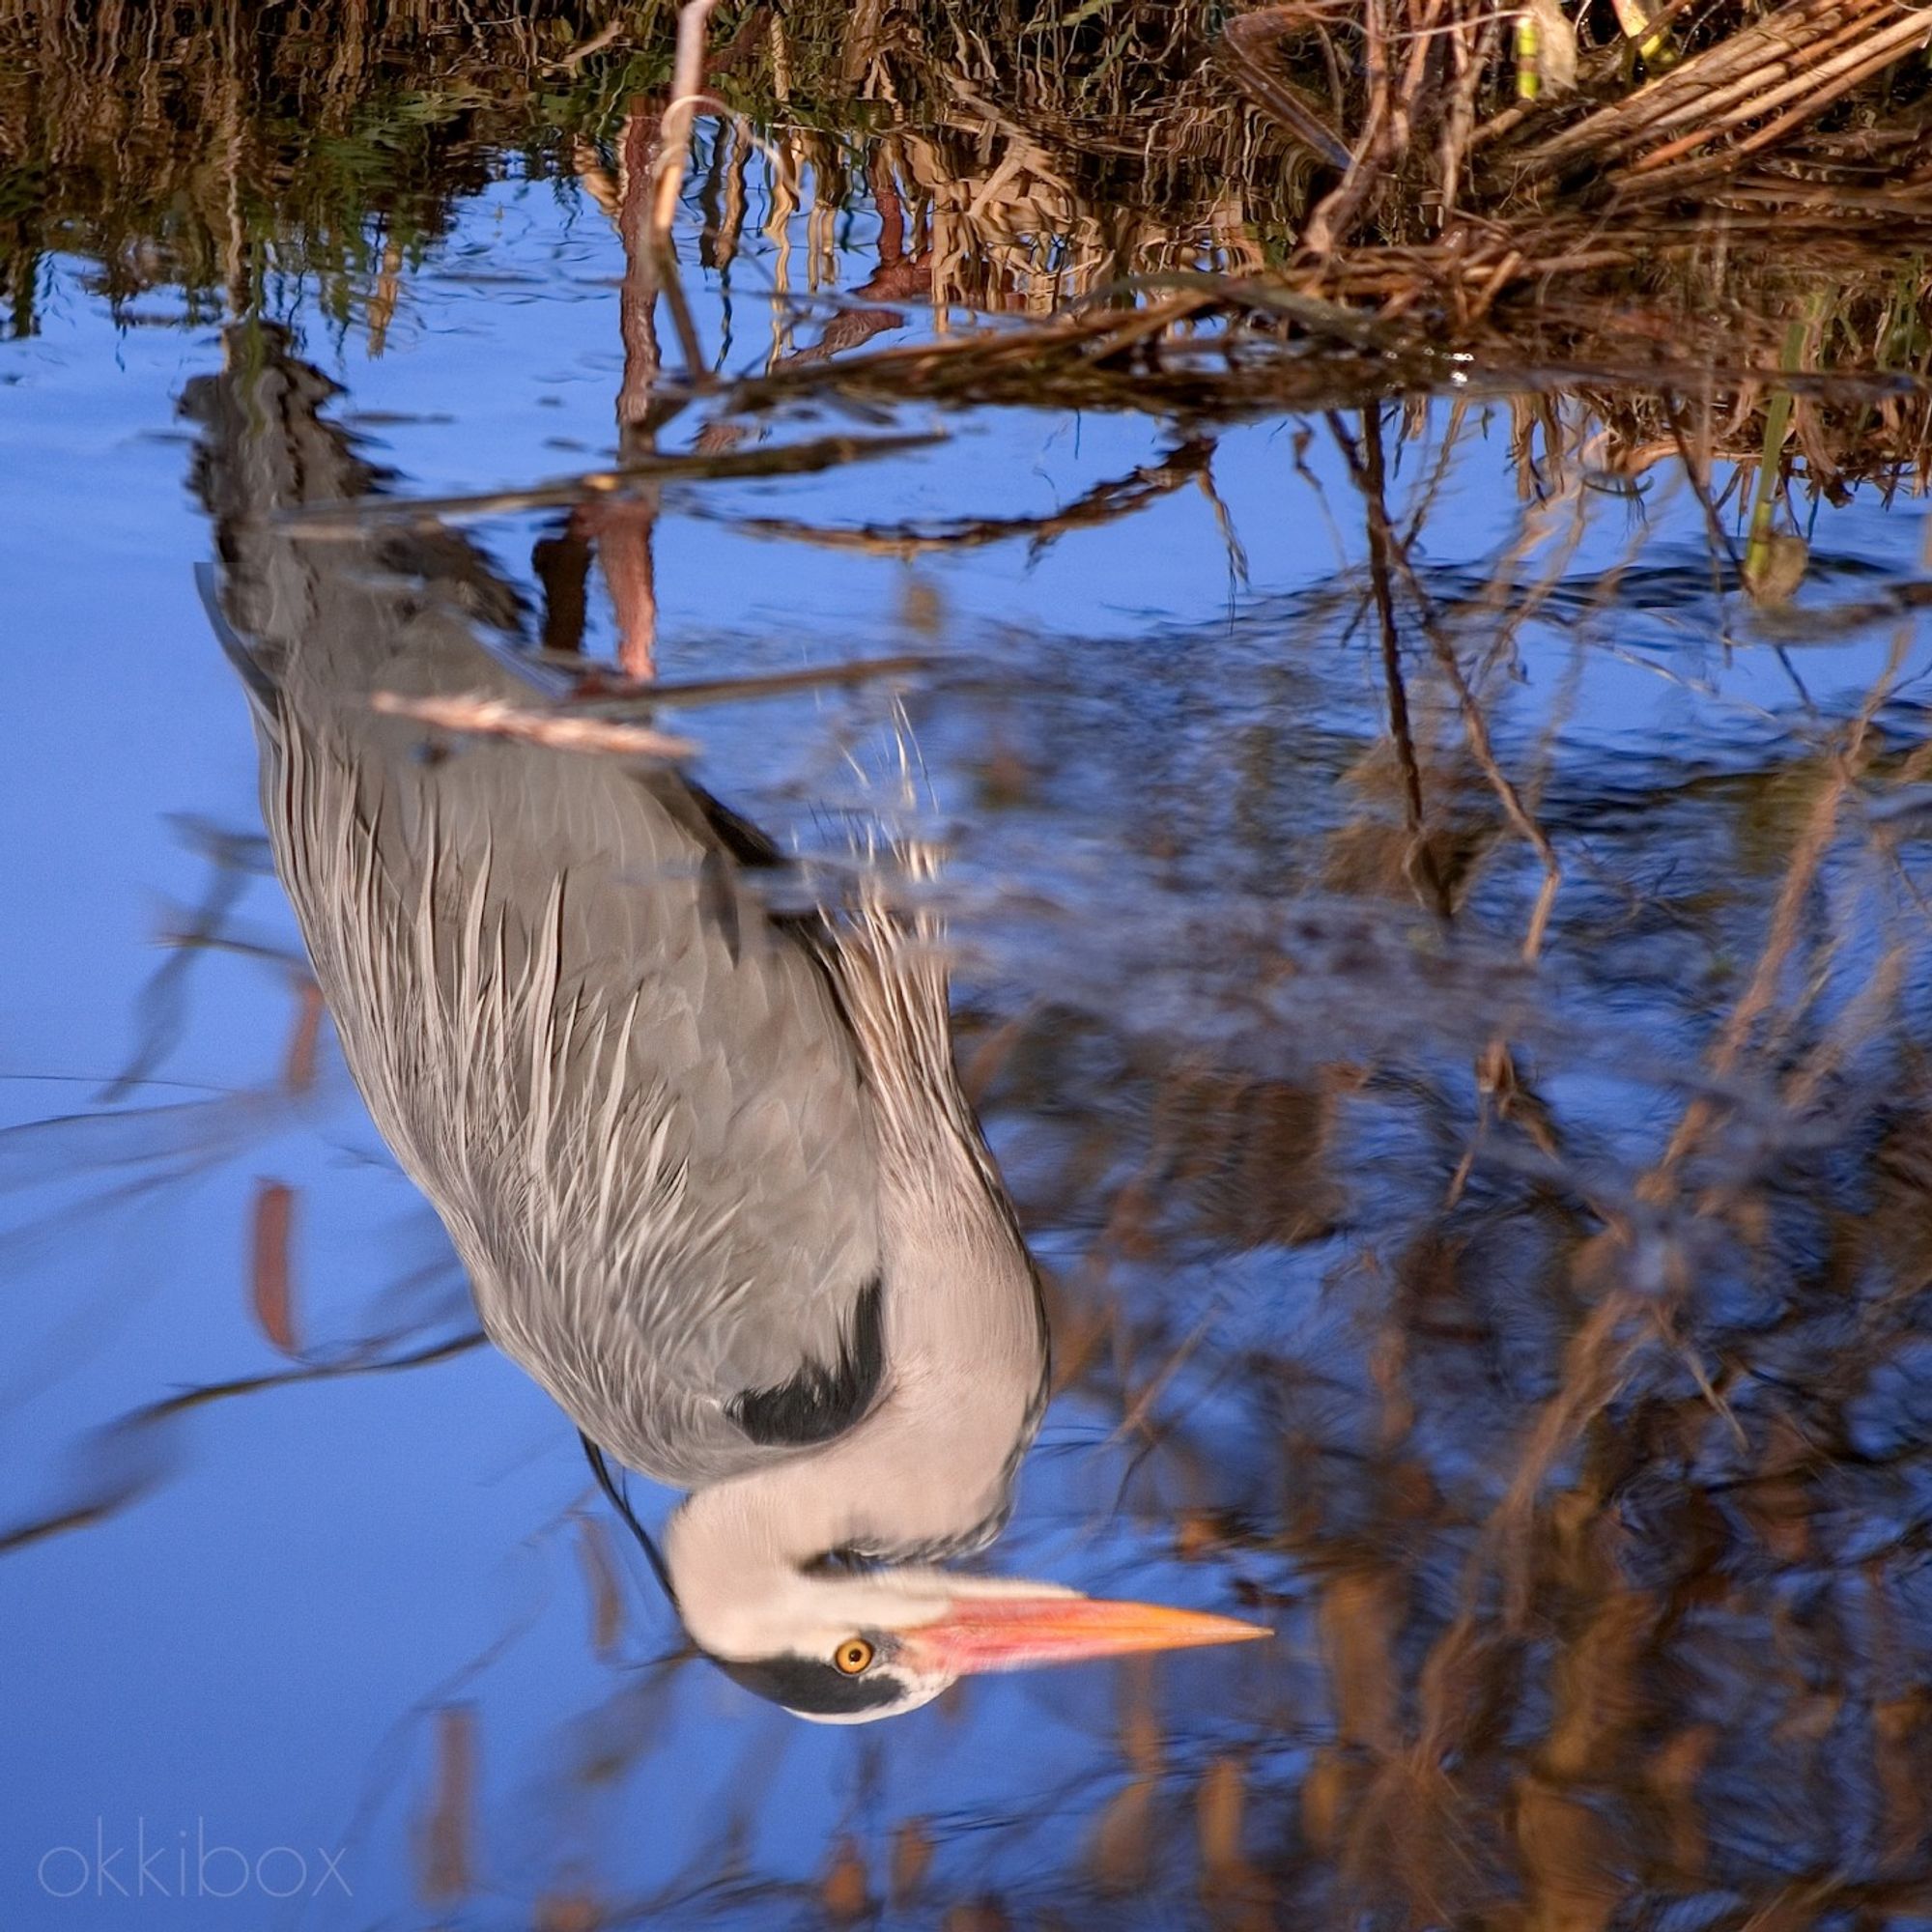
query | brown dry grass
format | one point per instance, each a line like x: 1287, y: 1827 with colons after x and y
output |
x: 1377, y: 153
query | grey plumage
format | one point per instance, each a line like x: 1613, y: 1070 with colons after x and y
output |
x: 709, y: 1166
x: 651, y: 1114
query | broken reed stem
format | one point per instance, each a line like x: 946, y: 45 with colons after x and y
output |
x: 1242, y: 50
x: 555, y: 730
x: 1744, y: 98
x: 1690, y: 88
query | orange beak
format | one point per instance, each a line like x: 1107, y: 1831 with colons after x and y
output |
x: 980, y: 1633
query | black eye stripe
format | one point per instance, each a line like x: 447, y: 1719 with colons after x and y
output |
x: 822, y: 1690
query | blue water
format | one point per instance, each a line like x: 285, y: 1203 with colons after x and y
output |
x: 1136, y: 740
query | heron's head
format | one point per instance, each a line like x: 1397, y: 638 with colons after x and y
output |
x: 847, y: 1647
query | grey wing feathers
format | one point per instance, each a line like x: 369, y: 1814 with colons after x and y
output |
x: 629, y: 1090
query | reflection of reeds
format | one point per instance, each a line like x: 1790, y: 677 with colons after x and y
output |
x: 1052, y: 160
x: 1036, y: 157
x: 1581, y: 1523
x: 198, y: 146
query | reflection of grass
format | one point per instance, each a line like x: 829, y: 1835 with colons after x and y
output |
x: 1576, y: 1497
x: 202, y: 147
x: 1051, y: 154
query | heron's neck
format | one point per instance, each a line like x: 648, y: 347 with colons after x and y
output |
x: 930, y: 1468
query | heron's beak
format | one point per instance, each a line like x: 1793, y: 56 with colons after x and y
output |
x: 1010, y: 1633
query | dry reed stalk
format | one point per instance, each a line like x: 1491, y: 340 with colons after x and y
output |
x: 1332, y: 217
x: 1814, y: 90
x: 686, y: 97
x: 1470, y: 55
x: 1743, y: 76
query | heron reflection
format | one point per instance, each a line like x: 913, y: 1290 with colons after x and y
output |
x: 706, y: 1162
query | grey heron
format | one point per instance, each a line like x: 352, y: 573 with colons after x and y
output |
x: 706, y: 1162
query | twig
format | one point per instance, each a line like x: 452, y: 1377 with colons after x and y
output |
x: 727, y: 690
x: 351, y: 517
x: 1102, y: 504
x: 1239, y: 52
x: 1474, y: 724
x: 686, y: 98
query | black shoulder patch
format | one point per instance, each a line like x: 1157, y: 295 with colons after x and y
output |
x: 821, y: 1402
x: 802, y: 1683
x: 736, y: 833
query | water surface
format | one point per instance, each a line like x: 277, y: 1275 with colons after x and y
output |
x: 1440, y: 963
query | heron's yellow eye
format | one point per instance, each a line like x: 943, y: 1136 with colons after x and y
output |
x: 853, y: 1656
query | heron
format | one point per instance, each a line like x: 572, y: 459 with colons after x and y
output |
x: 702, y: 1152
